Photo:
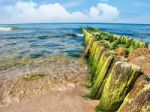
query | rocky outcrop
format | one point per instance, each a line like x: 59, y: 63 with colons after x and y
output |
x: 112, y: 76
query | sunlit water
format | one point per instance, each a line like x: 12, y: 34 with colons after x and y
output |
x: 20, y: 43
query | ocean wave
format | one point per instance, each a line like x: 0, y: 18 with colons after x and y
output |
x: 73, y: 35
x: 6, y: 28
x: 80, y: 35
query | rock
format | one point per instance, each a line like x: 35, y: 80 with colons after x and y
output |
x: 101, y: 62
x: 93, y: 50
x: 138, y: 52
x: 120, y: 80
x: 99, y: 80
x: 138, y: 99
x: 144, y: 63
x: 121, y: 51
x: 89, y: 46
x: 70, y: 85
x: 98, y: 53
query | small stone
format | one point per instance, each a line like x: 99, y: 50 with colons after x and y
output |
x: 70, y: 85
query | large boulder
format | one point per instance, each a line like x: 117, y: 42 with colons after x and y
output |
x: 144, y: 63
x: 138, y: 52
x: 138, y: 99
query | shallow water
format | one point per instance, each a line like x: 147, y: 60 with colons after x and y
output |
x: 20, y: 43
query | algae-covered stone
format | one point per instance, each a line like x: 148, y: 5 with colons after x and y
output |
x: 93, y: 50
x: 87, y: 36
x: 99, y: 83
x: 100, y: 78
x: 101, y: 62
x: 89, y: 46
x: 99, y: 51
x: 138, y: 99
x: 119, y: 82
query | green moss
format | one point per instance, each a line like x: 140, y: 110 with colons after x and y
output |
x: 102, y: 74
x: 101, y: 62
x: 34, y: 76
x: 93, y: 52
x: 119, y: 81
x: 98, y: 54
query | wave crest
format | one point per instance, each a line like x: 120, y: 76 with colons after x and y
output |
x: 6, y: 28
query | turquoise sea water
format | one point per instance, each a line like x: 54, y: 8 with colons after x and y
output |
x: 37, y: 40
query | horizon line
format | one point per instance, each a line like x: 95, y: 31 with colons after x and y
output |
x: 76, y: 23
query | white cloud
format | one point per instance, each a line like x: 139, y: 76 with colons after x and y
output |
x: 32, y: 12
x: 104, y: 12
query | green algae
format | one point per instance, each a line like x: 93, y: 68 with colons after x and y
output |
x: 34, y: 76
x: 111, y: 79
x: 99, y: 51
x: 138, y: 96
x: 99, y: 80
x: 119, y: 82
x: 101, y: 62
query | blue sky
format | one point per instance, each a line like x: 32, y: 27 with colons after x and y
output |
x: 113, y: 11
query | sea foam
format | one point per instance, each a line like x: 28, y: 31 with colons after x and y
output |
x: 5, y: 28
x: 80, y: 35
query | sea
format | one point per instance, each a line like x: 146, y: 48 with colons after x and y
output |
x: 41, y: 40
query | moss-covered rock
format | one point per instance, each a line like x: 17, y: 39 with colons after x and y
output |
x: 99, y: 83
x: 138, y: 99
x: 92, y: 53
x: 119, y: 82
x: 102, y: 60
x: 112, y: 77
x: 99, y: 52
x: 88, y: 48
x: 99, y: 80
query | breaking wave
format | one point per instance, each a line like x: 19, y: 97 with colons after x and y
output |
x: 6, y: 28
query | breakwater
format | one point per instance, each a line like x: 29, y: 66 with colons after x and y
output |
x: 118, y: 84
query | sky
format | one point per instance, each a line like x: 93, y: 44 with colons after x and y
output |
x: 74, y: 11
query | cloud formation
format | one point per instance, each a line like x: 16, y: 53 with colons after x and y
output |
x: 25, y: 12
x: 104, y: 12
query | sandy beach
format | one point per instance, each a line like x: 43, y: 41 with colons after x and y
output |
x: 58, y: 86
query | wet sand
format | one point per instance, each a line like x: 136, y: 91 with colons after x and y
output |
x: 54, y: 84
x: 61, y: 100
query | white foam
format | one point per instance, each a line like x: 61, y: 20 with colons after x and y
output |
x: 80, y: 35
x: 5, y: 28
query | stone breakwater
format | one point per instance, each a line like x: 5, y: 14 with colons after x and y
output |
x: 119, y: 84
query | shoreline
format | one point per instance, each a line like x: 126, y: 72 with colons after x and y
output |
x: 59, y: 71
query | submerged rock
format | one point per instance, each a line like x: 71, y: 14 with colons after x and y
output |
x: 119, y: 82
x: 138, y: 99
x: 70, y: 35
